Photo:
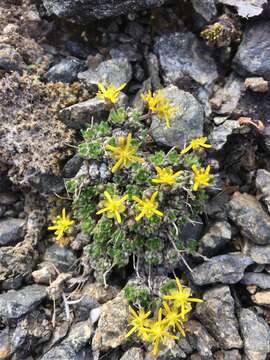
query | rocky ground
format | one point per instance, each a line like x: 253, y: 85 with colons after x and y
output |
x: 53, y: 302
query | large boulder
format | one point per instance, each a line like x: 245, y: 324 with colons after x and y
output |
x: 85, y: 10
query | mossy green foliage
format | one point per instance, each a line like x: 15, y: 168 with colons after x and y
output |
x: 137, y: 295
x: 150, y: 238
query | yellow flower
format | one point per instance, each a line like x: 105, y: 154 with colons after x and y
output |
x: 158, y: 104
x: 139, y: 323
x: 152, y: 100
x: 111, y: 93
x: 125, y: 153
x: 166, y: 111
x: 148, y: 206
x: 201, y: 177
x: 165, y: 176
x: 158, y: 332
x: 195, y: 144
x: 61, y: 224
x: 181, y: 298
x: 173, y: 318
x: 113, y: 206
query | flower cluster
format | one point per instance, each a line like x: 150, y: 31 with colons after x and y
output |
x: 130, y: 197
x: 125, y: 154
x: 159, y: 105
x: 113, y: 206
x: 170, y: 319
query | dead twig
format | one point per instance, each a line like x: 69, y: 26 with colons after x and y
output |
x: 249, y: 121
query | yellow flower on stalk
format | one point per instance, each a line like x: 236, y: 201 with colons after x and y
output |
x: 195, y: 144
x: 61, y: 224
x: 147, y: 206
x: 139, y: 322
x: 201, y: 177
x: 113, y: 206
x: 181, y: 298
x: 166, y: 111
x: 173, y: 318
x: 124, y: 153
x: 111, y: 93
x: 159, y: 105
x: 158, y: 332
x: 165, y: 176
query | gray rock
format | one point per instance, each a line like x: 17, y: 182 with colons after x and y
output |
x: 186, y: 124
x: 168, y: 351
x: 116, y: 71
x: 44, y: 275
x: 186, y: 344
x: 95, y: 315
x: 61, y: 257
x: 232, y: 355
x: 11, y: 231
x: 226, y: 98
x: 46, y: 183
x: 215, y: 239
x: 226, y: 269
x: 133, y: 354
x: 80, y: 241
x: 207, y: 9
x: 204, y: 343
x: 180, y: 60
x: 247, y: 213
x: 263, y: 186
x: 258, y: 279
x: 219, y: 136
x: 72, y: 347
x: 86, y: 10
x: 135, y: 30
x: 10, y: 59
x: 266, y: 137
x: 72, y: 166
x: 79, y: 49
x: 14, y: 304
x: 191, y: 231
x: 246, y: 8
x: 217, y: 314
x: 259, y: 254
x: 66, y: 71
x: 112, y: 325
x: 128, y: 51
x: 84, y: 308
x: 79, y: 335
x: 7, y: 198
x: 79, y: 115
x: 253, y: 56
x: 256, y: 335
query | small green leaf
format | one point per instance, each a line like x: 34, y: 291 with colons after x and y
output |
x: 157, y: 158
x: 173, y: 157
x: 91, y: 150
x: 117, y: 116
